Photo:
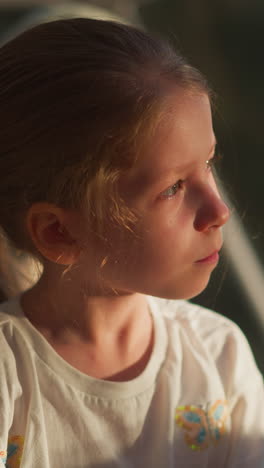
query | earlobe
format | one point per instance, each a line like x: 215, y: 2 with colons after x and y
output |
x: 47, y: 226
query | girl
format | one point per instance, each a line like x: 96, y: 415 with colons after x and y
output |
x: 107, y: 147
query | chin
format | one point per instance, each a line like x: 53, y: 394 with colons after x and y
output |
x: 195, y: 291
x: 184, y: 292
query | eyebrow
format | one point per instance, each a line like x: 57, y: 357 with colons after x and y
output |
x: 179, y: 168
x: 146, y: 179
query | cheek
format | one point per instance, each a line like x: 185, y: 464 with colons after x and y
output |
x: 120, y: 247
x: 160, y: 242
x: 157, y: 241
x: 170, y: 227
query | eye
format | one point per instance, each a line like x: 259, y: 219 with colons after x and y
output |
x: 171, y: 191
x: 211, y: 163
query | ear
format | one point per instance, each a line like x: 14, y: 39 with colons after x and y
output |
x: 49, y: 229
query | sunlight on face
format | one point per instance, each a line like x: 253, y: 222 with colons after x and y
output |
x: 178, y: 236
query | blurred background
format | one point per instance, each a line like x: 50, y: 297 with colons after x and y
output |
x: 224, y: 40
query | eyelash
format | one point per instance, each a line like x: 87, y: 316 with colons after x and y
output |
x: 210, y: 164
x: 175, y: 187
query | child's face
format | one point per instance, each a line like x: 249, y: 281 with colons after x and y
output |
x: 180, y: 211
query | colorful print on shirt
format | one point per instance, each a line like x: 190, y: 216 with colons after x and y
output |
x: 3, y: 455
x: 14, y: 451
x: 202, y: 426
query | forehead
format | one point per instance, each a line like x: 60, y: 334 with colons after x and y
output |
x: 183, y: 137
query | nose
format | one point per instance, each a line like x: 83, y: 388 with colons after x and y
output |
x: 211, y: 211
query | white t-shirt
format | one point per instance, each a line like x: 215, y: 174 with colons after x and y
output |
x: 198, y: 403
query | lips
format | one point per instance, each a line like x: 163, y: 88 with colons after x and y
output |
x: 211, y: 258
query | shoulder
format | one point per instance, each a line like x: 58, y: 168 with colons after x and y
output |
x: 10, y: 313
x: 13, y: 343
x: 9, y: 354
x: 7, y: 312
x: 221, y: 339
x: 204, y: 322
x: 9, y: 327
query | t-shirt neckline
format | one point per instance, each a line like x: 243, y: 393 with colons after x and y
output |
x: 83, y: 382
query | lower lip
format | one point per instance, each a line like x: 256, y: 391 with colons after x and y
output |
x: 214, y: 258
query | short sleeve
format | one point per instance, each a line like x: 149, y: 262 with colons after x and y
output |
x: 245, y: 393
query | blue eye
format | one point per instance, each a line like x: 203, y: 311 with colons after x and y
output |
x: 171, y: 191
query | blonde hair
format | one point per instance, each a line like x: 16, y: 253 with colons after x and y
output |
x: 78, y: 97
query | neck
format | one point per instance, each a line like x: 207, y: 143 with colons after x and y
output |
x: 69, y: 313
x: 108, y: 337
